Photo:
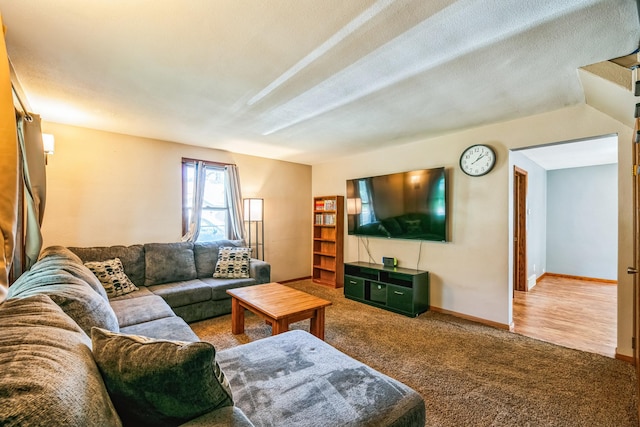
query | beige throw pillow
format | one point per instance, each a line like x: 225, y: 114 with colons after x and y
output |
x: 112, y: 276
x: 233, y: 263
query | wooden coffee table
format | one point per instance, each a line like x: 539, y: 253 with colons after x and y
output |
x: 279, y: 305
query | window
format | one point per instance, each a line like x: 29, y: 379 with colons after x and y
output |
x: 214, y: 219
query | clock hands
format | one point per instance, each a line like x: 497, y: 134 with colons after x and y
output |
x: 481, y: 156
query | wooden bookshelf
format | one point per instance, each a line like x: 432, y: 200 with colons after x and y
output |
x: 328, y: 236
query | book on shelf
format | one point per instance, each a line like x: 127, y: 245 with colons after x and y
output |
x: 330, y: 205
x: 329, y: 219
x: 319, y: 219
x: 319, y: 205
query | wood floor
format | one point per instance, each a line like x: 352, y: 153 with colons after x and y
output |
x: 573, y: 313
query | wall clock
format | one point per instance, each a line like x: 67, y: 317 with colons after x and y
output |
x: 478, y: 160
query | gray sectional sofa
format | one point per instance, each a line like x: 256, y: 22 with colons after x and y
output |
x: 71, y: 356
x: 180, y: 273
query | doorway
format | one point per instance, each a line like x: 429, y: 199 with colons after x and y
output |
x: 561, y: 197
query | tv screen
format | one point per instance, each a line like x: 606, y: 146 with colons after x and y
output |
x: 406, y: 205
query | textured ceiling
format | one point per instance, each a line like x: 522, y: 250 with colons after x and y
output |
x: 307, y: 80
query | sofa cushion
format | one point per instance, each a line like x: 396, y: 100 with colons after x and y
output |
x: 142, y: 291
x: 219, y: 286
x: 206, y: 255
x: 159, y: 382
x: 233, y: 263
x: 61, y: 252
x: 169, y: 262
x: 203, y: 310
x: 112, y: 277
x: 166, y: 328
x: 132, y: 258
x: 66, y: 260
x: 48, y: 375
x: 177, y: 294
x: 76, y: 298
x: 307, y: 378
x: 139, y: 310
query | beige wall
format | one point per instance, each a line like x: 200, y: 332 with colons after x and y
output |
x: 472, y: 273
x: 108, y: 189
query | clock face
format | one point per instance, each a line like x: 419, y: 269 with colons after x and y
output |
x: 477, y: 160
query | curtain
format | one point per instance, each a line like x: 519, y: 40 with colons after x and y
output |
x: 199, y: 180
x: 8, y: 170
x: 233, y: 194
x: 35, y: 183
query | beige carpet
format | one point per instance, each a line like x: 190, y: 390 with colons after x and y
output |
x: 469, y: 374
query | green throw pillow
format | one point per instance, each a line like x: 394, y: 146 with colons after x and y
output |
x: 233, y: 263
x: 159, y: 382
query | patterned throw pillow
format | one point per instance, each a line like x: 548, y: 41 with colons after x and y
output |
x: 233, y: 263
x: 112, y: 276
x: 156, y: 382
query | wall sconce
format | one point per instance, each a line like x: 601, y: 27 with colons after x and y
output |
x: 254, y: 218
x: 354, y: 206
x: 48, y: 143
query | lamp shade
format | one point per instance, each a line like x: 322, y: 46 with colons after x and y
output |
x: 48, y: 142
x: 253, y: 209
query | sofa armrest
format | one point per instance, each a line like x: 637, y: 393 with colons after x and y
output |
x: 260, y: 270
x: 229, y: 416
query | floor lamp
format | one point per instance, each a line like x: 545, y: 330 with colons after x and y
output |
x: 254, y: 218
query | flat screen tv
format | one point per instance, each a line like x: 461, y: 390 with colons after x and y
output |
x: 405, y: 205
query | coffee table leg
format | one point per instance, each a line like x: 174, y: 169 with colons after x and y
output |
x: 279, y: 326
x: 237, y: 317
x: 317, y: 324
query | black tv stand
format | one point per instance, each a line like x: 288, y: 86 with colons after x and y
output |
x: 401, y: 290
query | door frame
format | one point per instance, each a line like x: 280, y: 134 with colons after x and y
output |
x: 636, y: 254
x: 520, y: 184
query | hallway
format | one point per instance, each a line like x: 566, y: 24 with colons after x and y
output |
x: 580, y: 314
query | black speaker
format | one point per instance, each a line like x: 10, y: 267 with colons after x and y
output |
x: 389, y: 262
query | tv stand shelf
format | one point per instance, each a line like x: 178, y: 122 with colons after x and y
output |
x: 401, y: 290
